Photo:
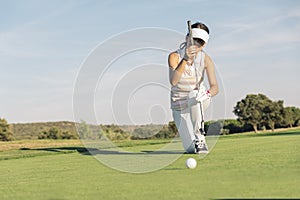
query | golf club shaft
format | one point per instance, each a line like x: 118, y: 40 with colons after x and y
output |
x: 196, y: 74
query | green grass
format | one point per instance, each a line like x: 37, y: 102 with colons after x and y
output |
x: 264, y: 165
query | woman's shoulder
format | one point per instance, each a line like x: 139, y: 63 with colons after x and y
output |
x: 174, y: 55
x: 173, y: 59
x: 207, y: 59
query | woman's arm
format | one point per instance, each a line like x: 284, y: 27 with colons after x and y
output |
x: 176, y: 68
x: 211, y: 75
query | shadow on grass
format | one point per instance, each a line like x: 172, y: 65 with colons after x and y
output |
x: 81, y: 150
x: 95, y: 151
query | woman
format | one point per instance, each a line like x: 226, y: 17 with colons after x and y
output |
x: 188, y: 95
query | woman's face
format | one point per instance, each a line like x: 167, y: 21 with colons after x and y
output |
x: 196, y: 43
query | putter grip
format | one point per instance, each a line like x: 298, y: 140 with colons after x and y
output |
x: 190, y: 32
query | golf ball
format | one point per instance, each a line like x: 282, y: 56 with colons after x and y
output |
x: 191, y: 163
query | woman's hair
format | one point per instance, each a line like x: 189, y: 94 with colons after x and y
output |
x: 200, y: 25
x: 199, y: 41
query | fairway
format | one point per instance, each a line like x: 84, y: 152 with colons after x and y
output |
x: 264, y: 165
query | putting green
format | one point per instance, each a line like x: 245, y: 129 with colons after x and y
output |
x: 239, y: 166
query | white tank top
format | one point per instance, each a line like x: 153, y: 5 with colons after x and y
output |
x: 187, y: 82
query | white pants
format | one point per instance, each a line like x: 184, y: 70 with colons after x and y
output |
x: 188, y: 121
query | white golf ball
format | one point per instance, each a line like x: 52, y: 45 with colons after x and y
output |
x: 191, y: 163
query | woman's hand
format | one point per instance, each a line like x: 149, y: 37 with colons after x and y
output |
x: 190, y: 53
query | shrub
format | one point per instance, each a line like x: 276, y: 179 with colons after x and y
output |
x: 5, y: 131
x: 56, y: 133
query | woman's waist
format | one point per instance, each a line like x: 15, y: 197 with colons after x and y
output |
x: 185, y: 88
x: 179, y: 95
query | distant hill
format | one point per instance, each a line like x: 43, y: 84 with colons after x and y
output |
x: 23, y: 131
x: 29, y: 131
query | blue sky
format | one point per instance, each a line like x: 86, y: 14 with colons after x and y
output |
x: 254, y: 44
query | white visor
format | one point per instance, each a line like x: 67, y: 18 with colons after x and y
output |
x: 200, y: 33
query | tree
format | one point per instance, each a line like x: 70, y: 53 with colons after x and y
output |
x: 5, y: 131
x: 291, y: 116
x: 250, y: 109
x: 273, y: 113
x: 297, y: 117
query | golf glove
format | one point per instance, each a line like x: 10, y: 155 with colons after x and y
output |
x: 203, y: 95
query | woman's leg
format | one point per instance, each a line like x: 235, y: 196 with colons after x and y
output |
x: 197, y: 110
x: 185, y: 128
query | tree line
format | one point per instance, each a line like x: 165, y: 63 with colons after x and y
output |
x: 260, y: 112
x: 254, y: 112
